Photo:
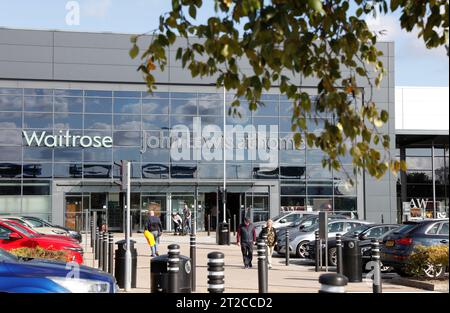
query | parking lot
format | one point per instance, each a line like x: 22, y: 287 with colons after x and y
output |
x: 298, y: 277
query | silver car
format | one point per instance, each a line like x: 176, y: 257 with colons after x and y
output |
x: 285, y: 219
x: 297, y: 244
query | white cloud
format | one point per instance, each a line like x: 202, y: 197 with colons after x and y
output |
x: 96, y: 8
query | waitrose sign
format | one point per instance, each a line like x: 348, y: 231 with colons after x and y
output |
x: 65, y: 139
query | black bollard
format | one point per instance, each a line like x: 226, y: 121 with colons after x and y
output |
x: 229, y: 231
x: 262, y: 266
x: 193, y: 261
x: 111, y: 253
x: 96, y: 243
x: 318, y: 247
x: 339, y: 261
x: 216, y: 273
x: 234, y: 225
x: 266, y: 248
x: 209, y: 225
x: 375, y: 259
x: 287, y: 247
x: 332, y: 283
x: 100, y: 250
x: 105, y: 252
x: 173, y: 267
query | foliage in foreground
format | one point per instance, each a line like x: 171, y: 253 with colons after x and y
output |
x: 40, y: 253
x: 423, y: 257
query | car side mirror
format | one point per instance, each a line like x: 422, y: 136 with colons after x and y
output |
x: 363, y: 237
x: 14, y: 236
x: 283, y: 221
x: 301, y: 227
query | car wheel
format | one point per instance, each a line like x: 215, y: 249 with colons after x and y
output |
x: 332, y: 257
x: 301, y: 249
x: 434, y: 271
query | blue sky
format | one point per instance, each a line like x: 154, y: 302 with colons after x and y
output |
x: 415, y: 65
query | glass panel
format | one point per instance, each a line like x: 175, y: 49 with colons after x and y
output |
x: 295, y: 190
x: 10, y: 153
x: 183, y: 171
x: 156, y: 155
x: 73, y: 212
x: 10, y: 204
x: 36, y: 188
x: 235, y: 119
x: 183, y: 95
x: 10, y: 120
x: 293, y: 204
x: 292, y: 172
x: 314, y: 156
x: 38, y: 92
x: 11, y: 91
x: 10, y: 137
x: 68, y: 154
x: 64, y: 104
x: 127, y: 138
x: 127, y: 94
x: 97, y: 121
x: 130, y: 154
x: 10, y: 170
x: 293, y: 156
x: 97, y: 105
x: 37, y: 154
x: 265, y: 121
x: 68, y: 92
x: 11, y: 103
x: 184, y: 107
x: 67, y: 170
x: 419, y: 177
x: 97, y: 170
x: 418, y: 163
x: 132, y: 106
x: 38, y: 120
x: 318, y: 173
x: 98, y: 93
x: 320, y: 190
x: 155, y: 122
x: 37, y: 205
x: 127, y: 122
x: 41, y: 170
x: 181, y: 120
x: 320, y: 204
x: 286, y: 108
x: 285, y: 125
x: 210, y: 107
x: 68, y: 121
x: 345, y: 204
x: 265, y: 173
x: 156, y: 204
x: 135, y: 170
x: 210, y: 170
x: 260, y: 208
x: 38, y: 104
x: 155, y: 106
x: 155, y: 171
x: 155, y: 95
x: 97, y: 154
x: 239, y: 171
x: 267, y: 109
x: 418, y: 152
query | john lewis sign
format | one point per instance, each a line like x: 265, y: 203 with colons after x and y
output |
x: 65, y: 139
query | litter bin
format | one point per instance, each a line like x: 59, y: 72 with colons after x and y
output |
x: 160, y: 276
x: 352, y: 259
x: 224, y: 234
x: 119, y: 268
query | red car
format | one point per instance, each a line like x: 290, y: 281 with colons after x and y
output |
x: 34, y: 232
x: 14, y: 235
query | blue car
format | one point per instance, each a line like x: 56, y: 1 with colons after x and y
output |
x: 45, y: 276
x: 399, y: 244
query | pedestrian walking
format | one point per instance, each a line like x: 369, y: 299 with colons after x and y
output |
x: 272, y: 239
x: 154, y: 226
x: 246, y: 238
x: 187, y: 214
x: 178, y: 223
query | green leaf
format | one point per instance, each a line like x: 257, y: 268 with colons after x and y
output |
x: 193, y: 11
x: 134, y: 51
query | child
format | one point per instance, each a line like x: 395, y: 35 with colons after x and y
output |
x: 178, y: 221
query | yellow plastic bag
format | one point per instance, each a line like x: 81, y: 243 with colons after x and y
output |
x: 150, y: 238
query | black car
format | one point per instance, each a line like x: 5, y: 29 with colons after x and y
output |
x: 398, y: 245
x: 38, y: 222
x: 365, y: 235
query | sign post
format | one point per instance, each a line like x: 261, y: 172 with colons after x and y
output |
x: 323, y: 236
x: 126, y: 185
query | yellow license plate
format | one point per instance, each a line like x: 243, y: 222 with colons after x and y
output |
x: 390, y: 243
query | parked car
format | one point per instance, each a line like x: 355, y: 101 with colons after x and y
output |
x: 47, y: 230
x: 399, y: 244
x: 306, y: 221
x: 38, y: 223
x: 14, y: 236
x: 284, y: 219
x: 45, y: 276
x: 365, y: 233
x: 298, y: 244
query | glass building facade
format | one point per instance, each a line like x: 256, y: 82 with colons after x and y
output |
x: 30, y: 173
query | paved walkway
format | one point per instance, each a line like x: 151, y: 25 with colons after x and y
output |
x: 298, y: 277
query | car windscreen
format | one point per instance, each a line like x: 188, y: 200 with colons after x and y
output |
x: 404, y: 229
x: 20, y: 229
x: 311, y: 228
x: 358, y: 230
x: 36, y: 222
x: 279, y: 216
x: 6, y: 256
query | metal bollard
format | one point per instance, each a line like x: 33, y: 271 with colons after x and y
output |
x: 100, y: 250
x: 339, y: 261
x: 173, y: 267
x: 209, y: 225
x: 193, y: 261
x: 318, y: 247
x: 234, y: 225
x: 96, y: 243
x: 262, y: 266
x: 287, y: 247
x: 266, y: 248
x: 229, y: 231
x: 105, y: 252
x: 111, y: 254
x: 377, y: 281
x: 216, y: 272
x: 332, y: 283
x: 92, y: 233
